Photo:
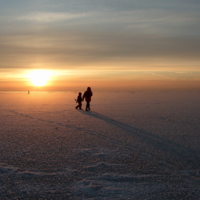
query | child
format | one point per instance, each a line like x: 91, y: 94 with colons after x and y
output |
x: 79, y: 101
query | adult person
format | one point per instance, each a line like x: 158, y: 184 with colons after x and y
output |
x: 87, y: 96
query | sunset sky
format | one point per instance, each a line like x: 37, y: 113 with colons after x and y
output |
x: 120, y: 45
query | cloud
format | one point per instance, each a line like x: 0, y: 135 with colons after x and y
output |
x: 162, y: 76
x: 161, y: 21
x: 51, y: 16
x: 182, y: 72
x: 77, y: 49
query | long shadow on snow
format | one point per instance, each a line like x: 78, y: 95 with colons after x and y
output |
x: 180, y: 154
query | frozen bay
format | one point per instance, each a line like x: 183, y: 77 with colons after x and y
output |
x: 142, y: 145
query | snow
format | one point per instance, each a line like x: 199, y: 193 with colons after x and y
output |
x: 131, y: 145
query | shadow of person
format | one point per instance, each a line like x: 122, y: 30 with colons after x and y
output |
x: 156, y: 147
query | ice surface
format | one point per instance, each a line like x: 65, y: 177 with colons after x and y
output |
x: 141, y: 145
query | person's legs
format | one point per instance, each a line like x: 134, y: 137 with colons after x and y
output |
x: 80, y: 106
x: 87, y: 107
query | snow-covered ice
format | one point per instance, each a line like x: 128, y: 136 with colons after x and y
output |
x: 131, y: 145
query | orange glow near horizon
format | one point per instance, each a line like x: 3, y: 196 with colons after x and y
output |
x: 101, y: 79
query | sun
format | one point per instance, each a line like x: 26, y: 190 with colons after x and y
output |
x: 39, y: 77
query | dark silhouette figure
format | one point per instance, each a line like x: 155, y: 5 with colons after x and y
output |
x: 79, y: 101
x: 87, y: 96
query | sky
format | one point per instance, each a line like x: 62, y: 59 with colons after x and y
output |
x: 129, y: 45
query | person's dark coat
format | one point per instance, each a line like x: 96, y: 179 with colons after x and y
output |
x: 87, y: 95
